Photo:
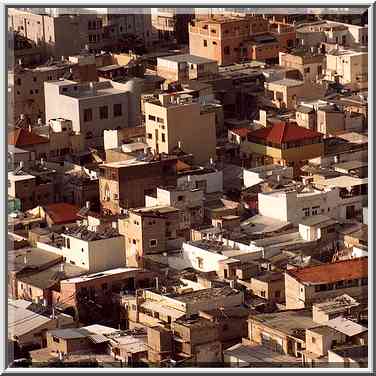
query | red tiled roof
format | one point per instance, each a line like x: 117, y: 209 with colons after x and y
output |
x: 242, y: 132
x: 23, y: 137
x: 283, y: 132
x: 62, y: 213
x: 332, y: 272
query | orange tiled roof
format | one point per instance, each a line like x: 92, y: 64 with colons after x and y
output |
x: 62, y: 212
x: 283, y: 132
x: 332, y: 272
x: 23, y: 137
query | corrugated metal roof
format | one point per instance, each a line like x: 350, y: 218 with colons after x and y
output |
x: 98, y: 338
x: 345, y: 326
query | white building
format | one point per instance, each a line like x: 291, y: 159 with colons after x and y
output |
x: 293, y: 206
x: 207, y: 179
x: 260, y: 174
x: 94, y: 251
x: 92, y: 108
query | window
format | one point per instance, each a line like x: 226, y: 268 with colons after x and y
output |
x: 151, y: 117
x: 153, y: 243
x: 263, y: 294
x: 214, y: 43
x: 160, y: 120
x: 82, y: 250
x: 134, y: 241
x: 307, y: 70
x: 213, y: 31
x: 364, y: 281
x: 150, y: 136
x: 117, y: 110
x: 18, y: 81
x: 226, y: 50
x: 88, y: 115
x: 205, y: 43
x: 163, y: 137
x: 31, y: 92
x: 306, y: 212
x: 68, y: 243
x: 36, y: 91
x: 315, y: 210
x: 180, y: 198
x: 55, y: 339
x: 313, y: 340
x: 34, y: 79
x: 72, y: 262
x: 200, y: 262
x: 103, y: 112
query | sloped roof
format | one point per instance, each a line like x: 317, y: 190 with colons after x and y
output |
x: 62, y: 212
x: 283, y: 132
x: 332, y: 272
x: 23, y: 137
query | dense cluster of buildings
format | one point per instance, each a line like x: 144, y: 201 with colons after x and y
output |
x: 187, y: 190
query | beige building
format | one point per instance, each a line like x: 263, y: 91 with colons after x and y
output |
x: 175, y: 121
x: 284, y: 93
x: 310, y: 65
x: 186, y: 67
x: 124, y: 184
x: 151, y: 230
x: 189, y: 200
x: 350, y: 67
x: 308, y: 285
x: 92, y: 107
x: 58, y: 35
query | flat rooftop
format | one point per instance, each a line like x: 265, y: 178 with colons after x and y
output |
x: 205, y: 294
x: 290, y: 322
x: 192, y: 59
x: 106, y: 273
x: 338, y: 304
x: 343, y: 181
x: 286, y: 82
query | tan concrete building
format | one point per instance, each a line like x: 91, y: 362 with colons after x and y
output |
x: 151, y: 230
x: 284, y: 93
x: 58, y: 35
x: 221, y: 38
x: 312, y: 284
x: 285, y: 144
x: 183, y: 68
x: 311, y: 65
x: 124, y: 184
x: 174, y: 121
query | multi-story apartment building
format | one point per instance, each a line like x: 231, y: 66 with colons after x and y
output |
x: 174, y: 121
x: 308, y: 285
x: 348, y: 66
x: 124, y: 184
x: 28, y: 84
x: 58, y: 35
x: 223, y: 38
x: 183, y: 68
x: 286, y: 144
x: 311, y: 65
x: 171, y: 24
x: 92, y: 107
x: 151, y: 230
